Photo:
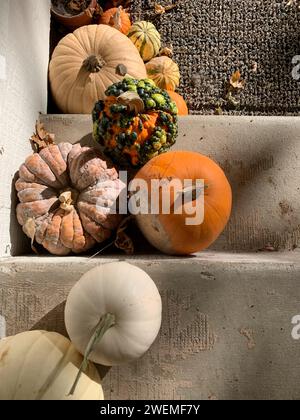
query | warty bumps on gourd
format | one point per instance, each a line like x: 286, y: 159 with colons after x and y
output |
x: 136, y: 122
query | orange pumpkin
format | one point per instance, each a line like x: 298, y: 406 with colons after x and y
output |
x: 170, y: 233
x: 118, y: 18
x: 179, y: 101
x: 67, y: 195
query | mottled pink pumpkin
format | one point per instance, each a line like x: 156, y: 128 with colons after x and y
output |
x: 67, y: 193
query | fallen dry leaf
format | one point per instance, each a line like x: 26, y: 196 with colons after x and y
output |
x: 292, y: 2
x: 218, y: 111
x: 166, y: 51
x: 232, y: 100
x: 235, y: 80
x: 123, y: 241
x: 160, y: 10
x: 254, y: 66
x: 41, y: 138
x: 248, y: 334
x: 268, y: 248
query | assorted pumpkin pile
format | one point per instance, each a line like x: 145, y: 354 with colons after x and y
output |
x: 87, y: 61
x: 68, y: 195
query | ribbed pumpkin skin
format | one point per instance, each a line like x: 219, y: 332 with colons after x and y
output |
x: 117, y: 18
x: 146, y: 39
x: 164, y: 71
x: 169, y: 232
x: 180, y: 102
x: 40, y: 365
x: 94, y: 186
x: 74, y: 88
x: 124, y: 291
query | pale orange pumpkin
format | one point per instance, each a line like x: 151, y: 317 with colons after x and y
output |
x: 86, y: 62
x: 117, y: 18
x: 180, y: 102
x: 67, y: 194
x: 170, y: 233
x: 164, y: 71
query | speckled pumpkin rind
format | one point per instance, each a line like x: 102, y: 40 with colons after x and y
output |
x: 94, y: 185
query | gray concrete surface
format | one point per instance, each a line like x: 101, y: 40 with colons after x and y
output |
x: 260, y: 156
x: 226, y: 331
x: 24, y: 49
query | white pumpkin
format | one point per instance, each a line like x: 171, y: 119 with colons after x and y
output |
x: 40, y: 365
x: 86, y: 62
x: 113, y: 314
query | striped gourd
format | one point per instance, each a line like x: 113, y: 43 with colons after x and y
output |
x: 146, y: 38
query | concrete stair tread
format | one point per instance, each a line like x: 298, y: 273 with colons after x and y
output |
x: 260, y: 158
x: 226, y: 331
x: 209, y: 257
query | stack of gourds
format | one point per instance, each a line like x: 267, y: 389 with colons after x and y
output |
x: 68, y: 194
x: 67, y: 204
x: 147, y: 40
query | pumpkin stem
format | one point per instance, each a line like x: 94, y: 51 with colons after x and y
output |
x: 93, y: 64
x: 132, y: 100
x: 106, y: 322
x: 193, y: 191
x: 115, y: 20
x: 67, y: 199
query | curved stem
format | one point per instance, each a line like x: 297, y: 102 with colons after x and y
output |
x: 116, y: 19
x: 106, y: 322
x: 193, y: 191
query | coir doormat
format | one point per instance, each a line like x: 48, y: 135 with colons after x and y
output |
x: 211, y: 39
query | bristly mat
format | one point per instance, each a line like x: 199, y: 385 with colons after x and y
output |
x: 212, y: 39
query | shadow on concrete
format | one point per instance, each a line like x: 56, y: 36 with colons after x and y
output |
x: 19, y: 243
x: 54, y: 321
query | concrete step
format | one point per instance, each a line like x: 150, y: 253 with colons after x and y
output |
x: 227, y: 317
x: 227, y: 322
x: 260, y: 156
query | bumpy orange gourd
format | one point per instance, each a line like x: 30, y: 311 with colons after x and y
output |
x: 180, y: 102
x: 67, y: 193
x: 164, y: 71
x: 169, y: 232
x: 118, y: 18
x: 136, y: 122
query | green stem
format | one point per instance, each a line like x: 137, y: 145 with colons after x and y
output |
x: 106, y: 322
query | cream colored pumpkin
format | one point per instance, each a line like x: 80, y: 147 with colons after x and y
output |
x: 40, y: 365
x: 85, y: 63
x: 121, y: 299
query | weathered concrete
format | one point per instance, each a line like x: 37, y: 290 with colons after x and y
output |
x: 260, y: 156
x: 24, y: 56
x: 226, y: 330
x: 227, y: 316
